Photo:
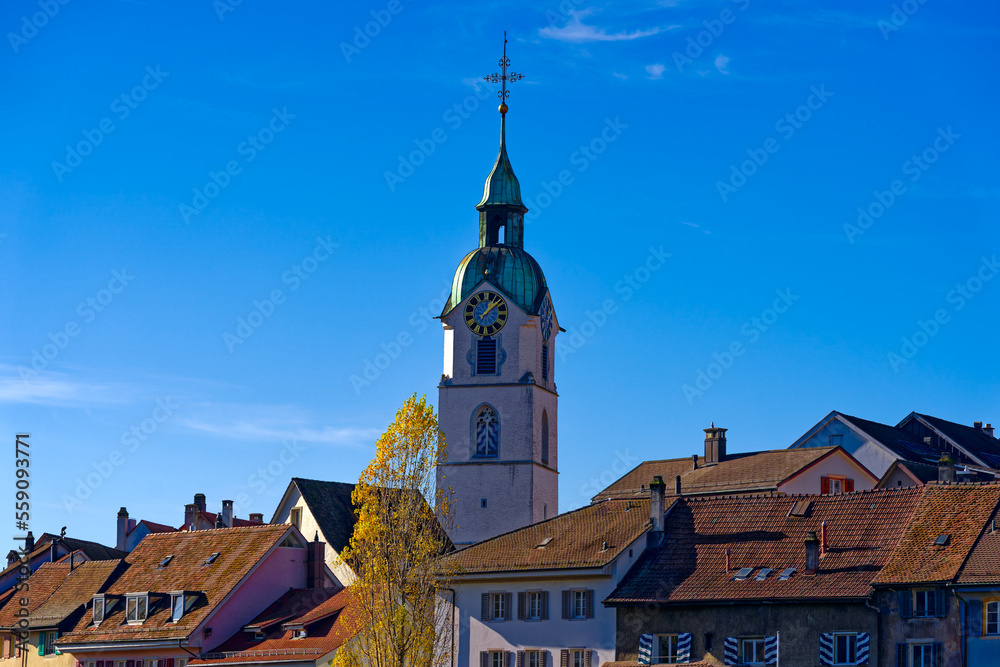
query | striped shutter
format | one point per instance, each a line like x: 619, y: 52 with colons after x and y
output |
x: 564, y: 658
x: 826, y: 648
x: 567, y: 601
x: 484, y: 658
x: 545, y: 609
x: 976, y: 618
x: 508, y: 599
x: 863, y: 647
x: 684, y: 647
x: 645, y: 649
x: 900, y: 655
x: 590, y: 604
x: 588, y: 657
x: 543, y: 657
x: 771, y: 650
x: 939, y: 602
x: 520, y: 607
x: 486, y: 607
x: 905, y: 606
x: 520, y: 659
x: 732, y: 651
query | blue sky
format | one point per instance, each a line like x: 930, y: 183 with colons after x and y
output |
x: 172, y: 169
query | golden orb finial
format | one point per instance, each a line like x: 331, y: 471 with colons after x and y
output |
x: 503, y: 108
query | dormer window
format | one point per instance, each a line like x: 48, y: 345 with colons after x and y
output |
x: 176, y: 606
x: 98, y: 609
x: 296, y: 517
x: 136, y: 606
x: 301, y: 633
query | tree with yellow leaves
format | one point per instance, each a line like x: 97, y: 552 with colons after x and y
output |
x: 399, y: 619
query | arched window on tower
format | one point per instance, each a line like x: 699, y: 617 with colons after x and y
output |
x: 486, y: 427
x: 545, y: 437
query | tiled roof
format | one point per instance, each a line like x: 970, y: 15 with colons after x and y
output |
x: 748, y: 472
x: 76, y: 590
x: 331, y: 507
x: 42, y: 583
x: 577, y: 540
x: 983, y: 564
x: 321, y: 611
x: 959, y: 511
x: 905, y: 445
x: 863, y: 529
x: 981, y: 445
x: 92, y: 550
x: 239, y: 549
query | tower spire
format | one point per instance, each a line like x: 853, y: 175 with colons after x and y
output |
x: 501, y: 206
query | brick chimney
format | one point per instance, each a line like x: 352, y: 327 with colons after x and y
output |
x: 824, y: 546
x: 812, y: 553
x: 199, y: 500
x: 190, y: 511
x: 227, y: 513
x: 122, y: 528
x: 315, y: 563
x: 715, y: 445
x: 946, y: 469
x: 694, y: 461
x: 256, y: 517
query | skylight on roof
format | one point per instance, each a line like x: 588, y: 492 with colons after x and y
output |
x: 166, y: 561
x: 800, y: 508
x: 211, y: 559
x: 743, y: 574
x: 942, y: 540
x: 786, y: 574
x: 544, y: 543
x: 762, y: 575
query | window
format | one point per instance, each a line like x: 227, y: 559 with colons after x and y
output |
x: 496, y: 606
x: 835, y: 440
x: 665, y: 648
x: 47, y: 642
x: 486, y: 356
x: 493, y: 658
x: 924, y: 603
x: 545, y: 362
x: 845, y: 649
x: 176, y: 606
x: 993, y: 618
x: 545, y: 437
x: 498, y: 610
x: 98, y: 609
x: 535, y: 611
x: 753, y: 651
x: 482, y: 503
x: 135, y: 608
x: 579, y: 657
x: 297, y: 517
x: 487, y: 432
x: 534, y: 659
x: 578, y: 604
x: 833, y: 485
x: 925, y: 655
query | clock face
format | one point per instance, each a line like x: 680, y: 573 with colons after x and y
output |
x: 486, y: 313
x: 546, y: 318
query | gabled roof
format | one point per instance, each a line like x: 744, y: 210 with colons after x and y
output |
x: 903, y: 444
x: 571, y: 540
x: 983, y: 564
x: 42, y: 584
x: 920, y: 473
x: 959, y: 511
x: 91, y: 551
x: 863, y: 529
x: 322, y: 612
x: 76, y: 590
x: 331, y: 507
x: 974, y: 441
x: 239, y: 549
x: 759, y: 472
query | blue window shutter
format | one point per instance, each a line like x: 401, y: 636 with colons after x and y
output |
x: 771, y: 650
x: 732, y: 651
x: 901, y: 655
x: 645, y: 649
x: 976, y: 618
x: 863, y: 647
x: 939, y: 602
x: 826, y: 648
x: 486, y: 607
x: 937, y: 654
x: 684, y: 647
x: 905, y: 605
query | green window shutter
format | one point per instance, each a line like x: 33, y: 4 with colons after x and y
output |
x: 41, y: 643
x: 55, y: 636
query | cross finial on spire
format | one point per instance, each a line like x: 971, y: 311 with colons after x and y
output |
x: 504, y: 77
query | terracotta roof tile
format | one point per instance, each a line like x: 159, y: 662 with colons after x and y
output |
x: 959, y: 511
x: 577, y: 540
x: 748, y: 472
x: 42, y: 584
x: 979, y: 443
x: 321, y: 612
x: 240, y: 549
x: 863, y: 529
x: 76, y: 590
x: 983, y: 564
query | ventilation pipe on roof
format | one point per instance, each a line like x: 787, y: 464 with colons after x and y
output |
x: 946, y: 469
x: 812, y: 553
x: 824, y: 547
x: 227, y: 513
x: 715, y: 444
x: 122, y: 528
x: 677, y: 485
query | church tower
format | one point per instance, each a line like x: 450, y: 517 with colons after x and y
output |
x: 497, y: 398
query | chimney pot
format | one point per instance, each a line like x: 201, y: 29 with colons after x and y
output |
x: 218, y: 521
x: 946, y: 469
x: 227, y: 513
x: 29, y: 542
x: 977, y: 425
x: 657, y: 491
x: 988, y: 430
x: 199, y: 500
x: 694, y: 461
x: 122, y: 532
x: 715, y: 444
x: 824, y: 547
x: 812, y: 553
x: 256, y: 517
x: 315, y: 552
x: 677, y: 485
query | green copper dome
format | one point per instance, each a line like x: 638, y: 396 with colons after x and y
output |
x: 509, y: 268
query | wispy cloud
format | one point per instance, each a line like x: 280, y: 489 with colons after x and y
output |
x: 272, y: 423
x: 578, y: 32
x: 656, y: 70
x: 22, y: 385
x: 619, y: 75
x: 722, y: 64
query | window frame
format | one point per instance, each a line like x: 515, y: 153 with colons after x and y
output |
x: 927, y: 654
x: 579, y: 601
x: 49, y: 642
x: 295, y: 517
x: 577, y: 657
x: 531, y: 599
x: 759, y: 644
x: 994, y: 606
x: 490, y: 414
x: 534, y: 655
x: 496, y: 659
x: 99, y: 602
x: 673, y: 642
x: 176, y: 597
x: 930, y: 606
x: 136, y: 598
x: 498, y: 602
x: 852, y: 647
